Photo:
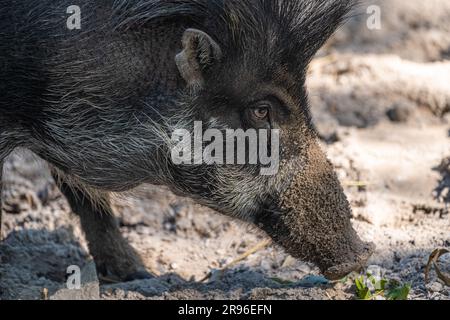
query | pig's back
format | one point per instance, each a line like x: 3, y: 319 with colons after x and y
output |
x: 46, y: 66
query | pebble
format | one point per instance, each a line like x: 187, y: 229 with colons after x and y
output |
x: 304, y: 268
x: 266, y: 264
x: 288, y: 262
x: 435, y: 287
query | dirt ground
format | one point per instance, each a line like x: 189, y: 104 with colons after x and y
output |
x: 381, y: 102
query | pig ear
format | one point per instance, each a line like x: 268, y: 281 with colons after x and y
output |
x: 199, y: 52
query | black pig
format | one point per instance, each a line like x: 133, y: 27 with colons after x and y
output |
x: 99, y: 103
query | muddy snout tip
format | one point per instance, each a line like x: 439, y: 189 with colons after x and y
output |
x: 341, y: 270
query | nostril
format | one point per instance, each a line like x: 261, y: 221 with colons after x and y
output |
x: 339, y: 271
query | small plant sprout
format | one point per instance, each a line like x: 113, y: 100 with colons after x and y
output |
x: 370, y: 288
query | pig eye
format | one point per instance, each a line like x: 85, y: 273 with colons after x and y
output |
x: 260, y: 112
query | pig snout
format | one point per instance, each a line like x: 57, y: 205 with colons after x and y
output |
x: 312, y: 220
x: 360, y: 254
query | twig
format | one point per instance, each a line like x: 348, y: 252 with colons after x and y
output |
x: 433, y: 260
x: 359, y: 184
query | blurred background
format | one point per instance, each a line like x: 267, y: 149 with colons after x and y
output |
x: 381, y: 102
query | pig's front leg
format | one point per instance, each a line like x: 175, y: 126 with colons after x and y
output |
x: 115, y: 259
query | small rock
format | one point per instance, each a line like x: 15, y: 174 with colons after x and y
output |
x: 435, y: 287
x: 266, y: 265
x: 304, y: 268
x: 288, y: 262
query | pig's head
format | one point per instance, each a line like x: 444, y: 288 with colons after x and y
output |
x: 247, y: 70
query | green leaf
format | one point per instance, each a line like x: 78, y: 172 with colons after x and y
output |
x: 359, y: 282
x: 365, y: 294
x: 390, y: 289
x: 380, y: 285
x: 399, y: 292
x: 362, y: 292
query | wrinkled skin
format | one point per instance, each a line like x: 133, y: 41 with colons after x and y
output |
x: 99, y: 104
